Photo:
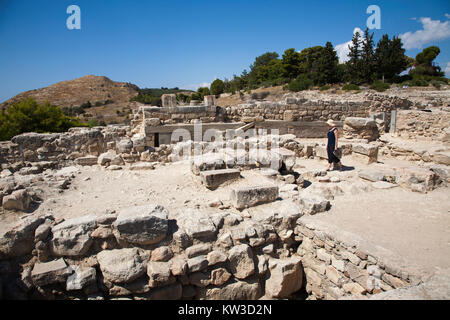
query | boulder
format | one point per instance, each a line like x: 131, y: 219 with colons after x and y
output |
x: 50, y: 272
x: 19, y: 240
x: 288, y: 159
x: 419, y: 179
x: 241, y: 261
x: 197, y: 225
x: 285, y: 277
x: 125, y: 146
x: 72, y: 238
x: 162, y: 254
x: 19, y: 200
x: 206, y: 162
x: 371, y: 175
x: 251, y: 196
x: 106, y: 158
x: 142, y: 225
x: 199, y: 249
x: 122, y: 265
x: 197, y: 264
x: 314, y: 204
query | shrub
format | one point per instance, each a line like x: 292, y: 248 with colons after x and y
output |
x: 300, y: 84
x: 350, y: 86
x: 324, y: 88
x: 380, y: 86
x: 29, y: 116
x: 260, y: 95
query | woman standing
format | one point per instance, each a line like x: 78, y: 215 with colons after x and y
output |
x: 332, y: 146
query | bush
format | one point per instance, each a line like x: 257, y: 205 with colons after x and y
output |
x: 260, y: 95
x: 217, y: 87
x: 350, y: 86
x: 380, y: 86
x: 324, y: 88
x: 29, y: 116
x: 437, y: 84
x: 300, y: 84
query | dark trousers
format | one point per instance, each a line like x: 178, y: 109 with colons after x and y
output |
x: 331, y: 157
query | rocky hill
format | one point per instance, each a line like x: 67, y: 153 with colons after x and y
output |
x: 76, y: 92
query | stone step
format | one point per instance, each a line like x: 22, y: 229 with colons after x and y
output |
x: 214, y: 178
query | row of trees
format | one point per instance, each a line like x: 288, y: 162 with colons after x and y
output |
x: 320, y: 65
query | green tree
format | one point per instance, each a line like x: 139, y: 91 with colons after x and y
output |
x: 424, y: 65
x: 354, y: 63
x: 390, y: 59
x: 367, y: 57
x: 29, y: 116
x: 217, y: 87
x: 291, y: 64
x: 327, y: 66
x: 202, y: 92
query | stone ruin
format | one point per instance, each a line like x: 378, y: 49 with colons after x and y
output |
x: 258, y: 243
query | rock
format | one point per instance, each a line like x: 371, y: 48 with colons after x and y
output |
x: 285, y: 277
x: 19, y: 200
x: 19, y: 240
x: 42, y: 232
x: 314, y: 204
x: 82, y: 277
x: 354, y: 288
x: 215, y: 257
x: 159, y: 274
x: 197, y: 250
x: 162, y: 254
x: 197, y: 225
x: 114, y: 168
x: 365, y: 153
x: 219, y: 276
x: 50, y: 272
x: 142, y: 225
x: 280, y: 215
x: 199, y: 279
x: 442, y: 171
x: 142, y: 166
x: 232, y: 219
x: 371, y: 175
x: 122, y: 265
x: 288, y: 159
x: 117, y: 161
x: 72, y: 238
x: 207, y: 162
x: 241, y: 261
x: 87, y: 161
x: 125, y: 146
x: 235, y: 291
x: 251, y: 196
x: 106, y: 158
x: 178, y: 266
x: 197, y: 264
x: 172, y: 292
x: 214, y: 178
x: 412, y: 177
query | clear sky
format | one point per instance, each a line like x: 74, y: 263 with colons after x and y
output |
x: 187, y: 43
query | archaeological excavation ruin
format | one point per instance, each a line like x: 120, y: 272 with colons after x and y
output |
x: 208, y: 202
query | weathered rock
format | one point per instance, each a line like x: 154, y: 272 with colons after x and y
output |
x: 72, y: 238
x: 142, y: 225
x: 142, y: 166
x: 207, y: 162
x: 251, y: 196
x: 235, y: 291
x: 241, y: 261
x: 87, y: 161
x: 219, y: 276
x: 371, y: 175
x: 285, y: 277
x: 288, y: 159
x: 314, y: 204
x: 413, y: 176
x: 178, y: 266
x: 199, y: 279
x: 122, y: 265
x: 197, y: 250
x: 215, y: 257
x: 82, y: 277
x: 20, y: 239
x: 171, y: 292
x: 163, y: 254
x: 197, y: 264
x: 214, y: 178
x: 19, y: 200
x: 159, y: 274
x: 50, y: 272
x: 106, y: 158
x: 197, y: 225
x: 125, y: 146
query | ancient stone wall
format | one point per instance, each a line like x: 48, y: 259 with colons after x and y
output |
x: 421, y: 125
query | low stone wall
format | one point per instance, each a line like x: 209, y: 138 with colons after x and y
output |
x: 421, y: 125
x: 336, y: 270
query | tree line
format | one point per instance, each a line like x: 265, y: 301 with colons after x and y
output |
x: 319, y: 66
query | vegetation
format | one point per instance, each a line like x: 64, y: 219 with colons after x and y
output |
x: 153, y: 96
x: 380, y: 86
x: 29, y: 116
x: 367, y: 64
x: 350, y: 86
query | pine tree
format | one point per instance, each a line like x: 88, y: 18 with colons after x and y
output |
x: 390, y: 59
x: 354, y: 64
x: 367, y: 57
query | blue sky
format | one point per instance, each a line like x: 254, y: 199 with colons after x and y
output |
x: 187, y: 43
